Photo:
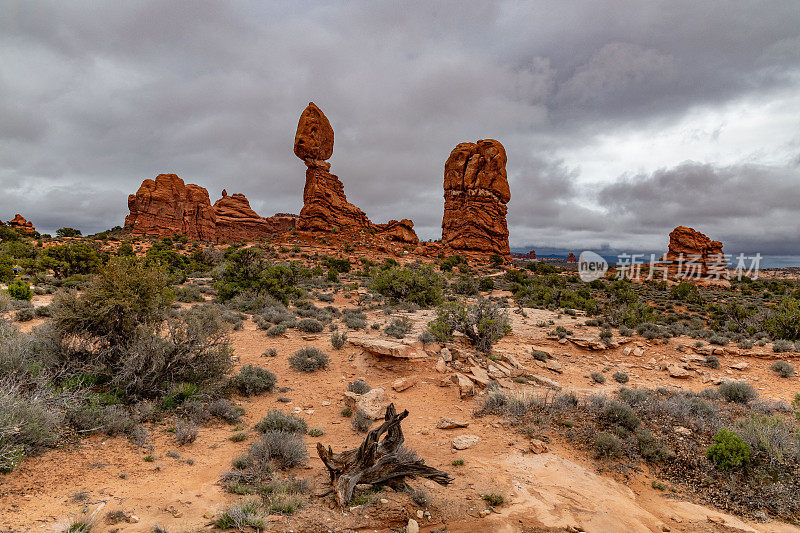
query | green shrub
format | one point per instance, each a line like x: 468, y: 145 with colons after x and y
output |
x: 620, y: 414
x: 728, y: 451
x: 737, y: 391
x: 782, y: 345
x: 253, y: 380
x: 276, y: 330
x: 308, y: 360
x: 770, y: 438
x: 285, y: 448
x: 359, y: 386
x: 309, y: 325
x: 398, y: 328
x: 711, y: 361
x: 20, y: 290
x: 620, y: 377
x: 784, y: 321
x: 607, y: 445
x: 68, y: 232
x: 338, y: 340
x: 70, y: 259
x: 783, y: 369
x: 247, y: 269
x: 598, y: 377
x: 276, y: 420
x: 419, y: 285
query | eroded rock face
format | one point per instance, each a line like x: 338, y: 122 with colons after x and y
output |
x: 571, y: 258
x: 19, y: 222
x: 528, y: 255
x: 476, y: 192
x: 325, y: 206
x: 237, y: 221
x: 166, y: 207
x: 696, y: 247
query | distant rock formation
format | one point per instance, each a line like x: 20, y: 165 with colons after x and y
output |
x: 530, y: 255
x: 19, y: 223
x: 691, y: 253
x: 325, y: 206
x: 166, y: 207
x: 571, y: 258
x: 476, y: 192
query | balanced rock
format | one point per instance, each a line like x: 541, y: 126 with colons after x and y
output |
x: 20, y: 223
x: 325, y: 206
x: 476, y: 192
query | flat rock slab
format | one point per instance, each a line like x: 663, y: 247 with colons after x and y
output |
x: 399, y: 385
x: 462, y: 442
x: 679, y: 372
x: 372, y: 403
x: 387, y: 348
x: 449, y: 423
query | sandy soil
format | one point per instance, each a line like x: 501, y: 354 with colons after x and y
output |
x: 556, y: 491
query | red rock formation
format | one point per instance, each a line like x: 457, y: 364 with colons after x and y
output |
x: 325, y: 206
x: 529, y: 255
x: 19, y: 222
x: 401, y: 231
x: 166, y: 207
x: 237, y: 221
x: 571, y: 258
x: 688, y: 247
x: 476, y: 192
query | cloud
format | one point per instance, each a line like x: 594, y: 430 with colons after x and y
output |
x: 94, y: 98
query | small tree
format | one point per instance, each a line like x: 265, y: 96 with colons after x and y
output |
x: 729, y: 450
x: 19, y: 290
x: 68, y: 232
x: 483, y: 323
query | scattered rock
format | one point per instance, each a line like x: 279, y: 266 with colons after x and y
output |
x: 679, y: 372
x: 466, y: 387
x: 372, y: 403
x: 412, y: 526
x: 402, y: 384
x: 740, y: 366
x: 638, y: 352
x: 446, y: 355
x: 386, y: 347
x: 554, y: 365
x: 682, y: 431
x: 545, y: 382
x: 449, y: 423
x: 538, y: 446
x: 441, y: 366
x: 462, y: 442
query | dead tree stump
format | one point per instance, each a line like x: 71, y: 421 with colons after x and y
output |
x: 387, y: 462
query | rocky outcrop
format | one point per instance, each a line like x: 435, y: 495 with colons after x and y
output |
x: 166, y: 207
x: 19, y: 223
x: 571, y: 258
x: 325, y: 206
x: 476, y: 192
x: 528, y: 255
x: 237, y: 221
x: 692, y: 253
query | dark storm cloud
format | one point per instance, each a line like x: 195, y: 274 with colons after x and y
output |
x: 96, y: 97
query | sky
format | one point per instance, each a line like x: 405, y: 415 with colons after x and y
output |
x: 621, y: 119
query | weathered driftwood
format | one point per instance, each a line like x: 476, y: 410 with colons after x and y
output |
x: 386, y: 463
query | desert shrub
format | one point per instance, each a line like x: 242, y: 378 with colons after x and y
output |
x: 495, y: 499
x: 398, y: 328
x: 486, y: 284
x: 310, y: 325
x: 338, y: 340
x: 276, y: 420
x: 276, y: 330
x: 783, y: 369
x: 196, y: 411
x: 784, y: 320
x: 651, y: 448
x: 465, y: 285
x: 728, y: 451
x: 285, y: 448
x: 418, y: 284
x: 711, y: 361
x: 189, y: 294
x: 243, y: 515
x: 225, y: 410
x: 737, y: 391
x: 770, y: 438
x: 359, y: 386
x: 360, y: 422
x: 248, y: 269
x: 620, y: 377
x: 25, y: 314
x: 718, y: 340
x: 620, y: 414
x: 253, y: 380
x: 20, y: 290
x: 539, y: 355
x: 70, y: 259
x: 483, y: 323
x: 685, y: 291
x: 308, y: 360
x: 185, y: 432
x: 782, y: 345
x: 598, y: 377
x: 355, y: 320
x: 607, y: 445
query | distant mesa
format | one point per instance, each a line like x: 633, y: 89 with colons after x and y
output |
x: 166, y: 207
x: 19, y: 223
x: 325, y: 206
x: 530, y: 255
x: 476, y: 192
x: 691, y: 253
x: 571, y: 258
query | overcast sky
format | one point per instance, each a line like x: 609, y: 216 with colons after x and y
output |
x: 621, y: 119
